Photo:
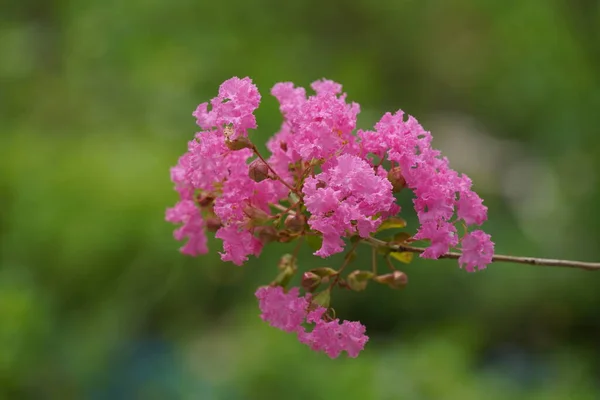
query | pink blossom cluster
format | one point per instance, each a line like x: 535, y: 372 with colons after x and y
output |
x: 213, y: 180
x: 346, y: 197
x: 439, y: 190
x: 340, y: 177
x: 322, y: 179
x: 290, y: 312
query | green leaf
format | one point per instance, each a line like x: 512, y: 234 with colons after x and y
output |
x: 402, y: 256
x: 314, y: 242
x: 401, y: 237
x: 323, y: 298
x: 384, y: 250
x: 355, y: 239
x: 294, y: 197
x: 391, y: 223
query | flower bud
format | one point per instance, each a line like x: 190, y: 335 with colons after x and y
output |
x: 266, y: 234
x: 396, y: 179
x: 357, y: 280
x: 239, y: 143
x: 205, y: 200
x: 285, y: 236
x: 287, y: 260
x: 213, y: 223
x: 256, y: 215
x: 295, y: 223
x: 324, y: 272
x: 284, y: 277
x: 395, y: 280
x: 258, y: 170
x: 310, y: 281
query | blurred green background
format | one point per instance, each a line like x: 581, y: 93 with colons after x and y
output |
x: 95, y: 107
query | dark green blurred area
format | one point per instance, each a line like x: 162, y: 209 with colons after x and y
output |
x: 95, y: 107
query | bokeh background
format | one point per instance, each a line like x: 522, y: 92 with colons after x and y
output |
x: 96, y: 99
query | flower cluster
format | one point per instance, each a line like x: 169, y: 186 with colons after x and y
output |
x: 289, y: 311
x: 322, y: 179
x: 346, y: 197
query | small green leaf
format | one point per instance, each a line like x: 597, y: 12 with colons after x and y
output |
x: 354, y: 239
x: 401, y: 237
x: 315, y: 242
x: 391, y: 223
x: 323, y: 298
x: 294, y: 197
x: 402, y: 256
x: 383, y: 250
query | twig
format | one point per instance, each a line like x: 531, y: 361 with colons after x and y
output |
x: 292, y: 189
x: 543, y: 262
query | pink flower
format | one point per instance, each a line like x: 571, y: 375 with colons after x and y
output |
x: 352, y: 193
x: 289, y: 311
x: 238, y: 244
x: 470, y: 207
x: 285, y: 311
x: 290, y: 98
x: 186, y: 213
x: 322, y: 124
x: 235, y: 105
x: 326, y: 86
x: 442, y: 236
x: 477, y: 251
x: 344, y: 199
x: 439, y: 190
x: 210, y: 162
x: 332, y: 337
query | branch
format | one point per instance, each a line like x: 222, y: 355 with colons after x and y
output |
x: 275, y: 175
x: 543, y: 262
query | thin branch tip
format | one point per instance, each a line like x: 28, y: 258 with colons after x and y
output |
x: 541, y: 262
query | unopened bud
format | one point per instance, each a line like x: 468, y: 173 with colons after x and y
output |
x: 396, y: 179
x: 284, y: 277
x: 285, y: 236
x: 287, y: 261
x: 295, y: 222
x: 239, y: 143
x: 395, y: 280
x: 256, y: 215
x: 266, y: 234
x: 310, y: 281
x: 357, y: 280
x: 213, y: 223
x: 205, y: 200
x: 258, y: 170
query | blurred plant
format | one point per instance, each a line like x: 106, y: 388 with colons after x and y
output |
x: 323, y: 184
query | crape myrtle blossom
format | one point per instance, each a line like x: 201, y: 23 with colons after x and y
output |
x: 321, y: 179
x: 291, y: 312
x: 346, y: 197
